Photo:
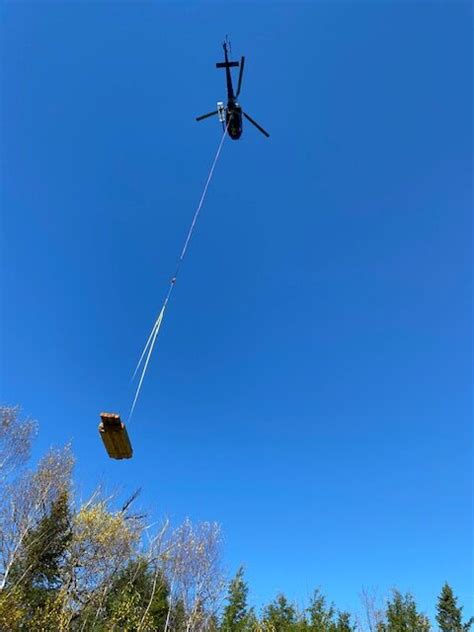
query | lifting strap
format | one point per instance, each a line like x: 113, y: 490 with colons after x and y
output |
x: 148, y: 349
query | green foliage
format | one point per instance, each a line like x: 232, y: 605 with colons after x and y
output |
x: 177, y: 621
x: 11, y: 608
x: 280, y: 615
x: 137, y: 594
x: 449, y: 614
x: 402, y: 616
x: 323, y: 616
x: 236, y: 615
x: 343, y: 623
x: 37, y: 571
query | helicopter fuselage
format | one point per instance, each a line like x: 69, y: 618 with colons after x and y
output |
x: 233, y: 118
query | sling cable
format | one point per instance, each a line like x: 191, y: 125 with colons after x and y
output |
x: 112, y: 429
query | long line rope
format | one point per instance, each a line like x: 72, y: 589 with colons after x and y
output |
x: 150, y: 343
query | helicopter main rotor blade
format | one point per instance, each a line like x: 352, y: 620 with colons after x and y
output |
x: 239, y: 85
x: 204, y: 116
x: 259, y: 127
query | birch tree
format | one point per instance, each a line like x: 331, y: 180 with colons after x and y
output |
x: 27, y: 498
x: 192, y: 566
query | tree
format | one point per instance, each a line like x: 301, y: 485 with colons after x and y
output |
x: 37, y: 569
x: 373, y: 611
x: 16, y: 435
x: 191, y: 564
x: 177, y: 617
x: 137, y: 600
x: 344, y: 623
x: 102, y: 544
x: 25, y: 501
x: 449, y: 614
x: 235, y: 614
x: 280, y: 615
x: 34, y: 520
x: 402, y: 616
x: 321, y: 616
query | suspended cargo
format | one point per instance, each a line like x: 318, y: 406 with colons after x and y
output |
x: 115, y: 437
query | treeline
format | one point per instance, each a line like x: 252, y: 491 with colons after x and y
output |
x: 89, y: 566
x: 398, y: 614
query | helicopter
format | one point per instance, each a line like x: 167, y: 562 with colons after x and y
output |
x: 231, y: 115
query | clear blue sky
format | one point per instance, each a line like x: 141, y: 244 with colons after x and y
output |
x: 311, y: 388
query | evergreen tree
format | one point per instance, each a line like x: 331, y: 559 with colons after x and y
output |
x: 38, y: 569
x: 235, y: 617
x: 402, y: 616
x: 280, y: 615
x: 449, y: 614
x: 321, y: 615
x: 137, y: 590
x: 212, y: 624
x: 253, y: 623
x: 178, y: 617
x: 344, y: 623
